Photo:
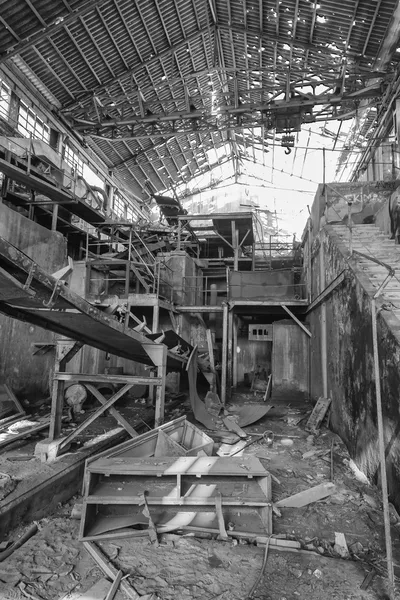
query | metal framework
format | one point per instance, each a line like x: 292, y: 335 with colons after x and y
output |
x: 153, y: 86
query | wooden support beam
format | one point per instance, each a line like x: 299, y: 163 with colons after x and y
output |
x: 65, y: 351
x: 327, y: 291
x: 224, y: 352
x: 107, y: 404
x: 230, y: 354
x: 212, y: 363
x: 109, y: 570
x: 299, y: 323
x: 234, y: 352
x: 158, y: 354
x: 103, y: 378
x: 205, y: 309
x: 324, y: 348
x: 121, y: 420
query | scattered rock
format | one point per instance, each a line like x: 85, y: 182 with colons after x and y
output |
x: 370, y: 501
x: 317, y: 573
x: 286, y: 442
x: 356, y: 548
x: 215, y: 562
x: 340, y: 546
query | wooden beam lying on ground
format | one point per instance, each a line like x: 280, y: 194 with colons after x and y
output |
x: 112, y: 572
x: 308, y: 496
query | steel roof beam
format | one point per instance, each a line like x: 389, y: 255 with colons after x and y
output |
x: 319, y: 48
x: 49, y: 30
x: 276, y: 105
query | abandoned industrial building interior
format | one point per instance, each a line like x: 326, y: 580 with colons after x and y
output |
x: 199, y: 299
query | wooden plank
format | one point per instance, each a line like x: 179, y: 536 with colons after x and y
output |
x: 327, y: 291
x: 318, y: 414
x: 14, y: 399
x: 308, y: 496
x: 181, y: 501
x: 103, y: 378
x: 115, y: 586
x: 248, y: 466
x: 109, y: 570
x: 119, y: 418
x: 221, y: 523
x: 296, y: 320
x: 98, y: 591
x: 65, y: 441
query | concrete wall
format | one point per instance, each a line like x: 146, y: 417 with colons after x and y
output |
x: 350, y: 365
x: 290, y: 357
x: 253, y: 355
x: 28, y: 375
x: 253, y: 285
x: 367, y: 199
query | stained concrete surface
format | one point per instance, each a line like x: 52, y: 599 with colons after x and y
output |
x: 53, y: 562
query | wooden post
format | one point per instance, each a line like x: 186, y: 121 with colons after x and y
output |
x: 235, y: 246
x: 382, y: 456
x: 179, y: 234
x: 65, y: 351
x: 224, y: 352
x: 158, y: 354
x: 234, y: 351
x: 309, y: 261
x: 54, y: 217
x: 230, y: 353
x: 324, y: 352
x: 212, y: 363
x: 156, y: 317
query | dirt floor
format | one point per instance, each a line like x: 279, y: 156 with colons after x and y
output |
x: 53, y: 563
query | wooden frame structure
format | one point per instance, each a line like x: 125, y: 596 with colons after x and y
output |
x: 65, y: 351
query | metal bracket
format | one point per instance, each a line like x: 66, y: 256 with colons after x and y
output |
x: 31, y: 273
x: 54, y: 295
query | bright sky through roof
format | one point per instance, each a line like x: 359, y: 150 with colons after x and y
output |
x: 285, y: 183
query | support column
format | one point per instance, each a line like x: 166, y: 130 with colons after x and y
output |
x: 230, y: 354
x: 156, y: 318
x: 324, y: 352
x: 234, y: 351
x: 224, y: 352
x: 235, y: 246
x: 54, y: 217
x: 65, y: 351
x: 158, y: 354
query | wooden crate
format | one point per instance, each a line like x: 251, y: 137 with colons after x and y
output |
x: 181, y: 492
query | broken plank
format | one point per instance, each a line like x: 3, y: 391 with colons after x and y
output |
x: 109, y: 570
x: 318, y: 414
x: 308, y: 496
x: 115, y: 585
x: 221, y: 524
x: 98, y: 591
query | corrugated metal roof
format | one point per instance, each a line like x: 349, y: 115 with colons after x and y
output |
x: 130, y: 73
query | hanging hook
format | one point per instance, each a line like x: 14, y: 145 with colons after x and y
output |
x: 288, y: 150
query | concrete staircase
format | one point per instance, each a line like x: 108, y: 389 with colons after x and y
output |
x: 369, y: 240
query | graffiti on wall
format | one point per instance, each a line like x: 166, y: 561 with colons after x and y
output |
x: 361, y: 199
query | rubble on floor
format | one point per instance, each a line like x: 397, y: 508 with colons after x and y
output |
x: 335, y: 543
